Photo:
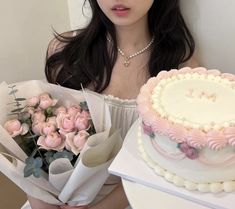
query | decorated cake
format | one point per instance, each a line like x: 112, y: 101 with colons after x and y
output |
x: 187, y: 129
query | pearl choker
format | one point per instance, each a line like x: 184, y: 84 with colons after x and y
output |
x: 127, y: 58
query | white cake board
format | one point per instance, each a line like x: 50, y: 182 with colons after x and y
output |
x: 129, y: 165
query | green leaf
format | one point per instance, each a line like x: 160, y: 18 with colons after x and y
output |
x: 29, y: 160
x: 28, y: 171
x: 33, y: 167
x: 48, y: 112
x: 64, y: 154
x: 17, y: 104
x: 20, y: 99
x: 38, y: 162
x: 37, y: 172
x: 17, y: 110
x: 13, y: 91
x: 12, y: 114
x: 49, y: 156
x: 84, y: 106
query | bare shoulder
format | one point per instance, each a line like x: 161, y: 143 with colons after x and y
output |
x: 56, y: 44
x: 192, y: 62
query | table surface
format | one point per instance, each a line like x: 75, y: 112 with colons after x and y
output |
x: 143, y: 197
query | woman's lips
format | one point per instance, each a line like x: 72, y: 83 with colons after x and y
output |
x: 120, y: 10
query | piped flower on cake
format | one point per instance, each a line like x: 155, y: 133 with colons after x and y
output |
x: 190, y: 152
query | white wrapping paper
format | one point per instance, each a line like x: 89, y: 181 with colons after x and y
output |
x: 64, y: 184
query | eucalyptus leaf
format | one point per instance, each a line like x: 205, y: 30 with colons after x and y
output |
x: 13, y: 91
x: 64, y: 154
x: 12, y: 114
x: 17, y: 104
x: 37, y: 172
x: 28, y: 170
x: 20, y: 99
x: 17, y: 110
x: 33, y: 167
x: 49, y: 156
x: 29, y: 160
x: 38, y: 162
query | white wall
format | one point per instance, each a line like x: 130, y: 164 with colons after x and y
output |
x: 78, y: 17
x: 25, y: 33
x: 212, y: 24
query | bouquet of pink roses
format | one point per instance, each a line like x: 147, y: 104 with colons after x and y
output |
x: 47, y: 131
x: 56, y: 143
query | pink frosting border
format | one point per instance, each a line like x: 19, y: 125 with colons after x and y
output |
x: 215, y: 140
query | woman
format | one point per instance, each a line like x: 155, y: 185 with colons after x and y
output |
x: 125, y: 43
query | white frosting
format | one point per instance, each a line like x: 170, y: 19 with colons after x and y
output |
x: 189, y: 99
x: 191, y: 174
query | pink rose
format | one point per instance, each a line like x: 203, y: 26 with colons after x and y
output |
x: 37, y: 128
x: 73, y: 110
x: 32, y: 102
x: 86, y: 114
x: 46, y: 101
x: 30, y: 110
x: 51, y: 120
x: 48, y: 128
x: 52, y: 141
x: 65, y: 123
x: 60, y: 110
x: 38, y: 117
x: 81, y: 122
x: 76, y: 142
x: 15, y: 128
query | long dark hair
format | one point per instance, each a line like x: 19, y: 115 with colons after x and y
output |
x: 86, y: 59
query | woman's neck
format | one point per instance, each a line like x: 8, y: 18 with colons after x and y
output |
x: 133, y: 37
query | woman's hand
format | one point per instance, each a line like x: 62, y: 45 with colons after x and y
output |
x: 73, y: 207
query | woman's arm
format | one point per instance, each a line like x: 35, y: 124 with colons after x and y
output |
x: 38, y: 204
x: 116, y: 200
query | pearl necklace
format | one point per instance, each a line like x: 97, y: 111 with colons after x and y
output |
x: 127, y: 58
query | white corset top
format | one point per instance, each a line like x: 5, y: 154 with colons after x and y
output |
x: 123, y: 112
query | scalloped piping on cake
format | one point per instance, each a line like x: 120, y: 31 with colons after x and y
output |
x: 215, y: 136
x: 213, y: 187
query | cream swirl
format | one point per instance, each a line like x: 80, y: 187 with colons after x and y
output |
x: 213, y: 72
x: 215, y: 140
x: 162, y: 74
x: 228, y: 76
x: 196, y: 138
x: 152, y: 82
x: 143, y: 108
x: 160, y: 126
x: 177, y: 133
x: 184, y: 70
x: 173, y: 72
x: 200, y: 70
x: 229, y: 134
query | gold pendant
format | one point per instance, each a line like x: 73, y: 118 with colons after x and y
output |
x: 127, y: 62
